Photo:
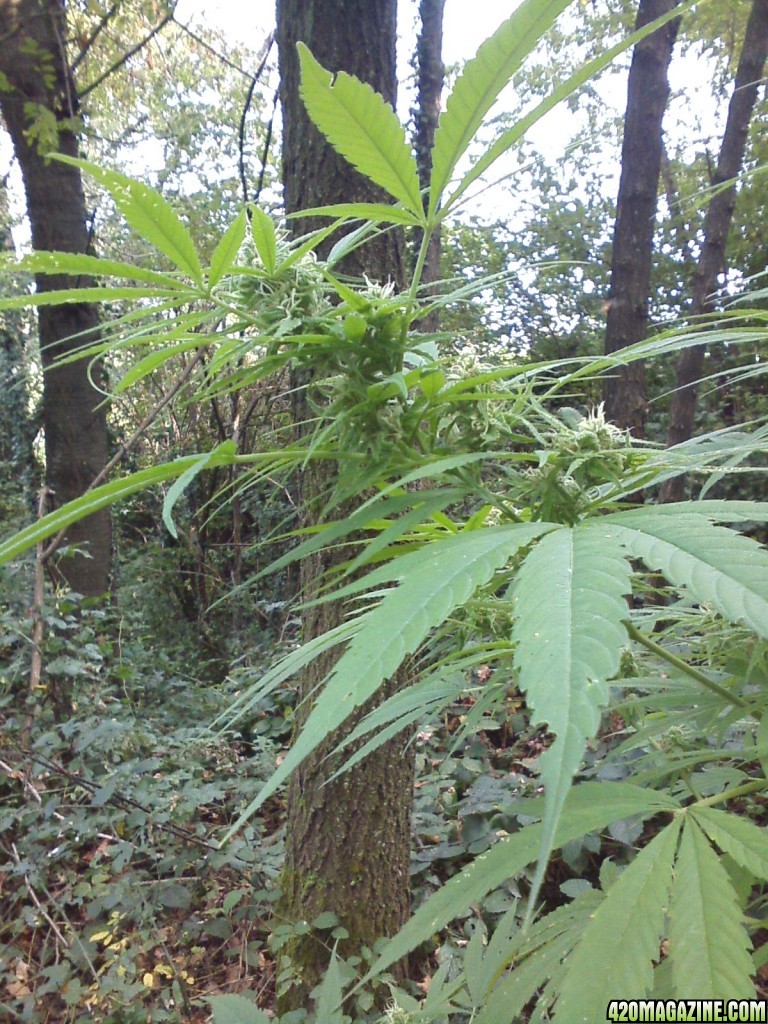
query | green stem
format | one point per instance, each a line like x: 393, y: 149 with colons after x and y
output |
x: 732, y: 794
x: 417, y: 272
x: 682, y: 666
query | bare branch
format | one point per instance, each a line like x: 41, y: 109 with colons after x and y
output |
x: 86, y: 45
x: 265, y: 50
x: 126, y: 57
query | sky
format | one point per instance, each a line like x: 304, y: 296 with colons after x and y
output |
x: 466, y: 25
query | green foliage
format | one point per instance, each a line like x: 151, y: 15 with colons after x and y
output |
x: 363, y: 128
x: 517, y: 559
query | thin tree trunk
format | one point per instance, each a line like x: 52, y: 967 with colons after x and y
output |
x: 348, y: 841
x: 17, y: 459
x: 641, y: 156
x: 430, y: 75
x: 717, y: 223
x: 33, y: 60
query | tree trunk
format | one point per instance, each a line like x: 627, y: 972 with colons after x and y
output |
x: 17, y: 460
x: 717, y: 223
x: 32, y: 58
x: 347, y: 842
x: 430, y: 75
x: 641, y: 155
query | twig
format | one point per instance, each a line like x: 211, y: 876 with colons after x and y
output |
x: 14, y: 773
x: 123, y: 802
x: 207, y: 46
x: 126, y: 57
x: 267, y: 144
x: 91, y: 39
x: 684, y: 667
x: 38, y: 622
x: 43, y: 912
x: 265, y: 50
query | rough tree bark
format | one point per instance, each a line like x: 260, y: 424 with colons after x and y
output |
x: 39, y: 86
x: 347, y: 842
x: 641, y: 156
x: 717, y: 223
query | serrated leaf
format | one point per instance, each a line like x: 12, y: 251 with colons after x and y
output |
x: 615, y: 956
x: 263, y: 232
x: 708, y: 944
x: 377, y: 212
x: 719, y: 567
x: 363, y: 127
x: 77, y: 264
x: 433, y: 581
x: 149, y: 215
x: 150, y: 363
x: 402, y: 709
x: 589, y: 806
x: 331, y: 993
x: 539, y: 959
x: 361, y: 520
x: 102, y: 497
x: 717, y: 510
x: 227, y: 449
x: 232, y: 1009
x: 584, y: 74
x: 62, y: 296
x: 225, y: 253
x: 478, y: 86
x: 739, y: 838
x: 570, y: 606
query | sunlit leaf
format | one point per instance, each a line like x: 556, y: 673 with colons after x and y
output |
x: 225, y: 253
x: 363, y: 127
x: 478, y: 86
x: 149, y: 215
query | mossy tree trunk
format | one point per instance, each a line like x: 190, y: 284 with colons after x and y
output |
x: 348, y: 841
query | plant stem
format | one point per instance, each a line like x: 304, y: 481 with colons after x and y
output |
x: 417, y: 272
x: 731, y: 794
x: 684, y: 667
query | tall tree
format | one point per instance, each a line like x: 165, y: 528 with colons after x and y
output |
x: 39, y: 105
x: 348, y: 841
x: 641, y: 155
x: 430, y: 74
x: 717, y: 223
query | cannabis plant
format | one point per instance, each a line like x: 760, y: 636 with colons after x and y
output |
x: 491, y: 527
